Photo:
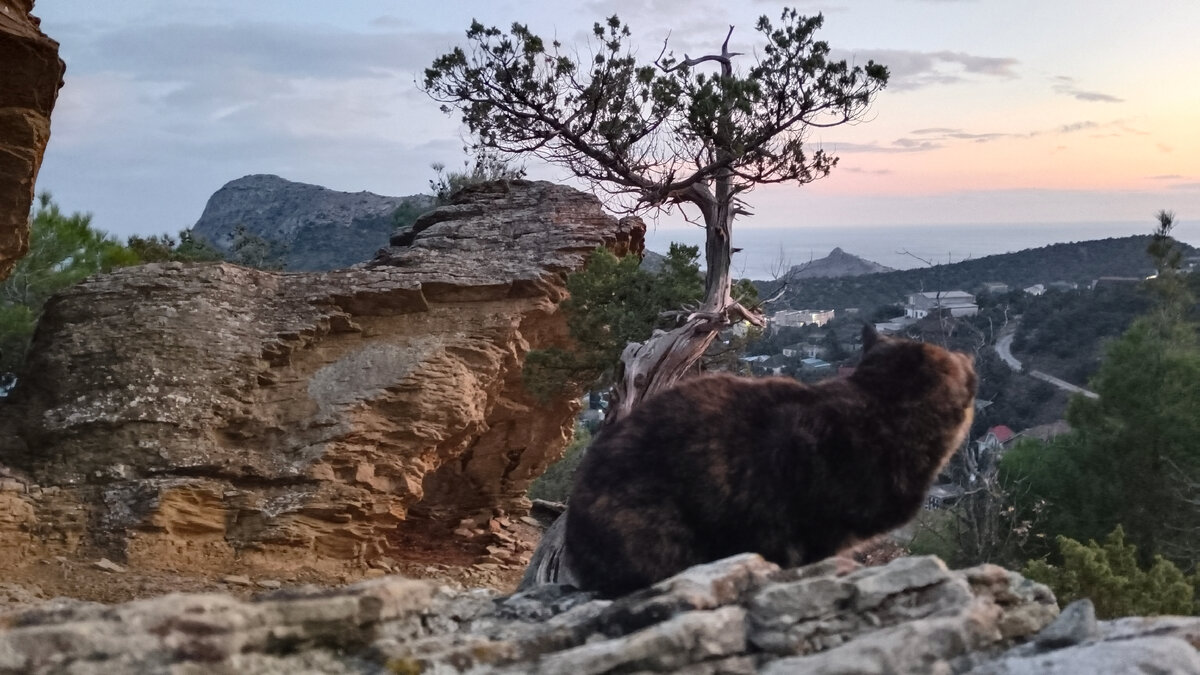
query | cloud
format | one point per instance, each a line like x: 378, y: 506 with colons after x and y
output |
x: 1166, y: 176
x: 899, y: 145
x: 913, y: 70
x: 1163, y: 147
x: 1185, y: 186
x: 869, y: 172
x: 936, y: 138
x: 180, y: 51
x: 1066, y: 85
x: 1077, y: 126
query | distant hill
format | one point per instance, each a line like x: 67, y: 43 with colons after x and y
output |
x: 837, y: 264
x: 1078, y: 262
x: 320, y: 228
x: 653, y: 262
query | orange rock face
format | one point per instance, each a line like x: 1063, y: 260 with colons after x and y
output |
x: 30, y: 76
x: 207, y: 416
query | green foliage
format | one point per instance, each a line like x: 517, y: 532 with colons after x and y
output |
x: 1133, y: 458
x: 195, y: 249
x: 933, y: 534
x: 251, y: 250
x: 654, y: 129
x: 612, y: 302
x: 1065, y: 333
x: 555, y: 484
x: 63, y: 250
x: 488, y: 166
x: 406, y: 214
x: 164, y: 248
x: 1112, y: 578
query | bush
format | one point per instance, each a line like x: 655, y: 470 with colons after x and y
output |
x: 1109, y: 575
x: 555, y: 484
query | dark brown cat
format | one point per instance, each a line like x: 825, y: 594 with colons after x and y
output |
x: 720, y: 465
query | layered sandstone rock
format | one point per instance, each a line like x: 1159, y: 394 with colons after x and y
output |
x: 739, y: 615
x: 211, y: 416
x: 30, y: 76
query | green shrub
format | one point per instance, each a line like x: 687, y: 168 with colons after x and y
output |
x: 555, y: 484
x: 1109, y: 575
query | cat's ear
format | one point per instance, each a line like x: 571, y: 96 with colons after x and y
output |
x: 869, y: 337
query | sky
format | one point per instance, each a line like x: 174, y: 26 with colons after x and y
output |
x: 997, y: 111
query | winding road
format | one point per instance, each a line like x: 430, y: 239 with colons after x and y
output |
x: 1004, y: 351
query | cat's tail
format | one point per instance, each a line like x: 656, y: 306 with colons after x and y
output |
x: 550, y: 563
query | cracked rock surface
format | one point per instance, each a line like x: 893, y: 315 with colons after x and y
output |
x: 738, y: 615
x: 210, y: 417
x: 30, y: 76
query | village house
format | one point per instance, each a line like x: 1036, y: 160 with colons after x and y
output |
x: 795, y: 318
x: 995, y: 438
x: 803, y: 350
x: 957, y: 303
x: 1036, y: 289
x: 893, y: 325
x: 815, y: 365
x: 994, y: 287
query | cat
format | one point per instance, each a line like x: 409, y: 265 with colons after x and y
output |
x: 720, y: 465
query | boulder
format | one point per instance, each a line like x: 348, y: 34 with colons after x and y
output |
x: 192, y: 415
x: 30, y: 76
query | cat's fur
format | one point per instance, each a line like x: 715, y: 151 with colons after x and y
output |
x: 720, y: 465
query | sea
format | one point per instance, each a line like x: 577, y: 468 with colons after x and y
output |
x: 768, y: 252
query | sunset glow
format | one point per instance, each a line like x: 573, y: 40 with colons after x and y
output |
x: 1092, y: 107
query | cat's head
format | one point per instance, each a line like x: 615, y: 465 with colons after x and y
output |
x: 906, y: 371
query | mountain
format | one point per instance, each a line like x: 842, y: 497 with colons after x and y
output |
x: 837, y: 264
x: 319, y: 228
x: 1076, y: 262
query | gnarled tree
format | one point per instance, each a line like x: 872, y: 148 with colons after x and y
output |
x: 694, y: 132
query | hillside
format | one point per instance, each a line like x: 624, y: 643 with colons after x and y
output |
x: 837, y: 264
x: 1077, y: 262
x: 320, y: 229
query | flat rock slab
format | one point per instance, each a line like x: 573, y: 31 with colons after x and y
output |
x: 737, y: 615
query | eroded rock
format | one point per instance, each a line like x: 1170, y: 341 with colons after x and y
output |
x: 708, y: 619
x: 213, y: 417
x: 30, y: 76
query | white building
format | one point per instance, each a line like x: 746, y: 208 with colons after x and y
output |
x: 796, y: 318
x: 957, y: 303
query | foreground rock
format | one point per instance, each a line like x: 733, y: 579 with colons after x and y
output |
x: 30, y: 76
x: 740, y: 615
x: 217, y: 418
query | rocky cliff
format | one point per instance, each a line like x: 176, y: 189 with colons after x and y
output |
x: 740, y: 615
x: 316, y: 228
x: 30, y: 77
x: 215, y: 417
x: 837, y: 264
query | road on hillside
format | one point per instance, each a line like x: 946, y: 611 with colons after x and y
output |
x: 1004, y: 351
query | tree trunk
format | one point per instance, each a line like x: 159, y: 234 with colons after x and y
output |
x: 665, y: 358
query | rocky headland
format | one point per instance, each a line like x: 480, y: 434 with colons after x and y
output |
x: 314, y: 228
x: 837, y: 264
